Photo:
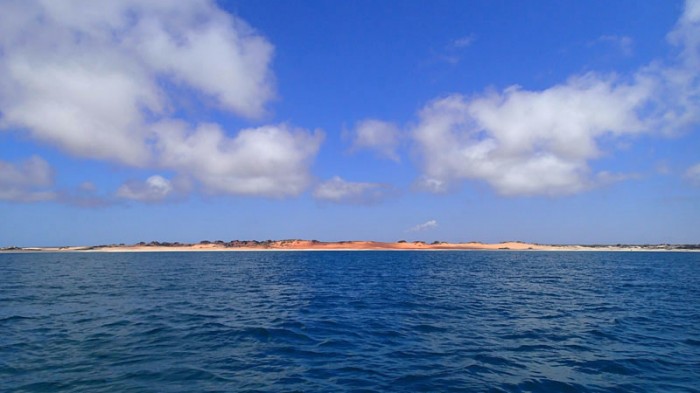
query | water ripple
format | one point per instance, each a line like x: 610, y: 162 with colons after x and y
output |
x: 350, y: 321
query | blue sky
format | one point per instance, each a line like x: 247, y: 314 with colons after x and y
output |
x: 548, y: 121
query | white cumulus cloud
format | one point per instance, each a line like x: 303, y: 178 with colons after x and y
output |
x: 97, y: 79
x: 676, y: 99
x: 271, y: 160
x: 86, y: 76
x: 337, y: 190
x: 27, y: 181
x: 524, y: 142
x: 153, y: 189
x: 380, y: 136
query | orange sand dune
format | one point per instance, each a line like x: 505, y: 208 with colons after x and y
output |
x: 296, y: 244
x: 316, y: 245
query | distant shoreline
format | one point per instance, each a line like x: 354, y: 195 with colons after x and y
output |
x: 313, y: 245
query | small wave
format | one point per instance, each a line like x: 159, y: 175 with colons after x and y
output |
x: 276, y: 334
x: 413, y: 381
x: 190, y: 374
x: 522, y: 336
x: 428, y: 328
x: 389, y: 334
x: 497, y: 361
x: 45, y: 386
x: 605, y: 366
x: 15, y: 318
x: 116, y: 324
x: 601, y: 334
x: 335, y: 343
x: 546, y: 385
x: 534, y: 348
x: 294, y: 351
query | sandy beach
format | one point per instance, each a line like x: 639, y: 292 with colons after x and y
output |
x: 356, y: 245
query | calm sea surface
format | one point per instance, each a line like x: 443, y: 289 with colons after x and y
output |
x: 350, y: 321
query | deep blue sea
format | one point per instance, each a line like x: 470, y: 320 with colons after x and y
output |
x: 350, y: 321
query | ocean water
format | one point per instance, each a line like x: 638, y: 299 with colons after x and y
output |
x: 350, y: 321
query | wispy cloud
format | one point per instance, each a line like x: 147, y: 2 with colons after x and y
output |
x: 86, y: 195
x: 28, y: 181
x: 377, y: 135
x: 692, y: 174
x: 32, y: 180
x: 424, y: 226
x: 453, y: 51
x: 464, y: 42
x: 337, y: 190
x: 622, y: 43
x: 662, y: 168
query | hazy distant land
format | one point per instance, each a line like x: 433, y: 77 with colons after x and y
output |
x: 300, y: 245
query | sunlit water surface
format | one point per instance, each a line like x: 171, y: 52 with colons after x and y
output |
x: 350, y: 321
